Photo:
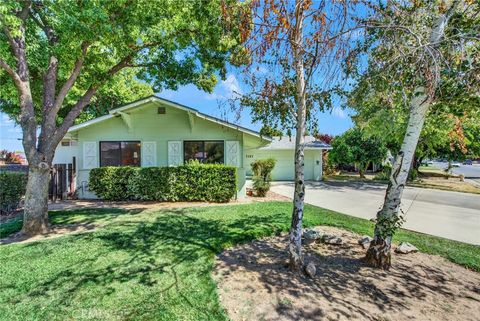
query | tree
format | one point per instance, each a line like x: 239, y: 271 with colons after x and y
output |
x: 295, y: 50
x: 326, y: 138
x: 59, y: 55
x: 353, y: 147
x: 450, y: 130
x: 10, y: 157
x: 421, y: 53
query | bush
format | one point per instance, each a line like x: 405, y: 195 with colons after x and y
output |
x: 190, y: 182
x: 384, y: 174
x: 12, y: 190
x: 112, y: 183
x: 262, y: 175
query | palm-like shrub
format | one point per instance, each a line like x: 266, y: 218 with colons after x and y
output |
x: 262, y: 175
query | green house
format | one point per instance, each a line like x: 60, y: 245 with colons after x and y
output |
x: 157, y: 132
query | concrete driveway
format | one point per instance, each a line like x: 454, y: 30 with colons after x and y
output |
x: 451, y: 215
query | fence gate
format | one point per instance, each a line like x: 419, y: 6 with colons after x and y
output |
x: 61, y: 182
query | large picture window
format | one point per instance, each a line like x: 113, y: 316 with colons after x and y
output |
x: 125, y: 153
x: 208, y: 152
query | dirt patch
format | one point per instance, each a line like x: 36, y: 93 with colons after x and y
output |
x: 55, y: 231
x: 271, y: 196
x: 450, y: 184
x: 254, y: 284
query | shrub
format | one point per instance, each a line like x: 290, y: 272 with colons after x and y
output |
x: 12, y: 190
x: 112, y: 183
x: 190, y: 182
x: 384, y: 174
x: 262, y: 175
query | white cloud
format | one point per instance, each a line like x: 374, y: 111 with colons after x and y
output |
x: 339, y: 112
x: 228, y: 88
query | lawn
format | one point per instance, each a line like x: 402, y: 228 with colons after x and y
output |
x: 145, y: 265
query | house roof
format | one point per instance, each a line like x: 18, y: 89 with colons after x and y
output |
x: 288, y: 142
x: 135, y: 104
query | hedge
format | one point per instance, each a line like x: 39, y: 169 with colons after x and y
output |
x: 192, y: 182
x: 12, y: 190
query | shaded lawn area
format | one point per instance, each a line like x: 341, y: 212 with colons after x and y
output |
x: 145, y: 265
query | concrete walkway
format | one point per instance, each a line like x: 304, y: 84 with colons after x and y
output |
x: 450, y: 215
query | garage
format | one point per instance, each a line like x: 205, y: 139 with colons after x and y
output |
x: 282, y: 149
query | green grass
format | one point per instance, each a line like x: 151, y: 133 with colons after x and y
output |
x: 144, y: 265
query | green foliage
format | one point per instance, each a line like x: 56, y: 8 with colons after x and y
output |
x: 397, y: 64
x: 262, y: 175
x: 139, y: 254
x: 386, y: 226
x: 190, y: 182
x: 12, y: 190
x: 122, y: 89
x: 113, y: 183
x: 159, y: 44
x: 384, y: 174
x: 354, y: 147
x: 271, y: 132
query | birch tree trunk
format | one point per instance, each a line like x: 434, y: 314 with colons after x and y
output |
x: 378, y: 254
x: 295, y: 244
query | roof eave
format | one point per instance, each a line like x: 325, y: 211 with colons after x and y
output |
x: 112, y: 113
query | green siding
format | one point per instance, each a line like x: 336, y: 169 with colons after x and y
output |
x: 148, y: 126
x: 284, y: 168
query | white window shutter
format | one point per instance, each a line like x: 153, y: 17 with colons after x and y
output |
x: 232, y: 153
x: 174, y: 153
x: 90, y: 152
x: 149, y: 154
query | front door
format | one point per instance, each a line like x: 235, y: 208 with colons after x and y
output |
x: 317, y: 166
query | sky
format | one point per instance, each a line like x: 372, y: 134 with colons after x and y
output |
x: 333, y: 122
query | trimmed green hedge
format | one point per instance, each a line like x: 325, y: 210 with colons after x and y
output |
x: 12, y: 189
x: 191, y: 182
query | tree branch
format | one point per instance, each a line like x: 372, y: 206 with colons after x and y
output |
x: 71, y: 80
x: 84, y: 101
x: 13, y: 74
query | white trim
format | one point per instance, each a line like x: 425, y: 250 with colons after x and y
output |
x: 90, y: 122
x: 113, y: 112
x: 175, y: 160
x: 306, y: 148
x: 90, y: 160
x: 144, y: 155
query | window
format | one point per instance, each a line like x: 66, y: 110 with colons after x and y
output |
x: 208, y: 152
x: 120, y: 153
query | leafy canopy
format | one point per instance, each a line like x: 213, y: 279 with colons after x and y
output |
x: 397, y: 62
x: 353, y: 147
x: 165, y: 44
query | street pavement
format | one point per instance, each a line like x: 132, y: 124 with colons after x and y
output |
x: 451, y: 215
x: 471, y: 172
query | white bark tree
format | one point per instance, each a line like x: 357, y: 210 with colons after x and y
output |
x: 299, y: 46
x: 427, y: 52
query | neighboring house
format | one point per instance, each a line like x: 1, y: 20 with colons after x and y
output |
x: 158, y: 132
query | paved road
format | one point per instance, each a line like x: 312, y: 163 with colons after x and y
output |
x: 471, y: 172
x: 450, y: 215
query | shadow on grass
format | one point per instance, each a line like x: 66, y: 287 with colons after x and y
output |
x: 164, y: 260
x: 64, y: 222
x: 171, y: 253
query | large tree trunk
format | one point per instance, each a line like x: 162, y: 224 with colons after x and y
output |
x: 378, y: 254
x: 295, y: 244
x: 36, y: 200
